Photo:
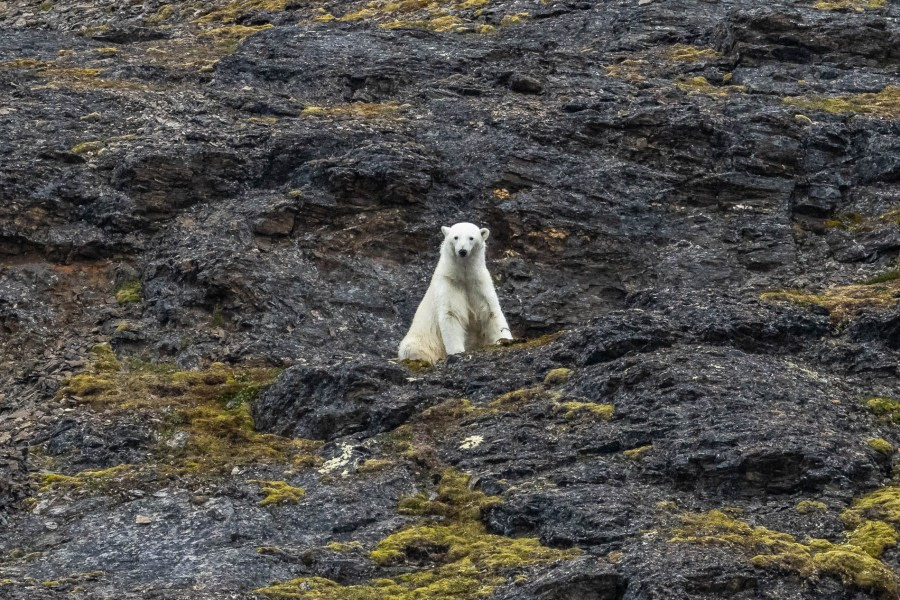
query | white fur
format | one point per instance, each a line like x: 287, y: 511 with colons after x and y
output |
x: 460, y: 310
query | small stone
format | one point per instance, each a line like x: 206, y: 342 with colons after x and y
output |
x: 199, y: 499
x: 51, y: 525
x: 142, y: 520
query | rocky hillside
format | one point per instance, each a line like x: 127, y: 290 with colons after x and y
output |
x: 216, y: 221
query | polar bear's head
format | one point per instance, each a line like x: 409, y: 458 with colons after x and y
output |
x: 464, y: 240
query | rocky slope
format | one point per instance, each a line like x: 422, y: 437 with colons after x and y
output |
x: 216, y: 221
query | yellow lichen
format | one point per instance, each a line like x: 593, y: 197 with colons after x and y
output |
x: 885, y: 103
x: 279, y: 492
x: 230, y: 36
x: 637, y: 453
x: 417, y: 366
x: 843, y: 302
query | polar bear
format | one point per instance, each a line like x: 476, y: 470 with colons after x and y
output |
x: 460, y: 310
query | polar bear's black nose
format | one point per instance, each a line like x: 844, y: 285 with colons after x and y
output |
x: 463, y: 252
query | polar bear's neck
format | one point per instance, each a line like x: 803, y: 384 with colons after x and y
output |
x: 461, y: 269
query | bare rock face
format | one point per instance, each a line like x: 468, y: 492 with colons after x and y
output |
x: 216, y: 223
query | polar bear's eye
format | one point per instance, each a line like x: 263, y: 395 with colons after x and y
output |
x: 456, y: 238
x: 471, y: 238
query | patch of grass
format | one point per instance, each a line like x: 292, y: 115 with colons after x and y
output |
x: 768, y: 548
x: 129, y: 293
x: 557, y: 376
x: 885, y: 103
x: 279, y: 492
x: 842, y: 302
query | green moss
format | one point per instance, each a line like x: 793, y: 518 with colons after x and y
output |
x: 344, y: 547
x: 373, y: 465
x: 279, y: 492
x: 525, y: 344
x: 454, y: 499
x: 885, y: 103
x: 355, y: 110
x: 461, y: 560
x: 165, y: 11
x: 842, y: 302
x: 97, y: 480
x: 881, y: 445
x: 882, y: 504
x: 575, y: 409
x: 689, y: 54
x: 857, y: 5
x: 873, y: 537
x: 517, y: 398
x: 849, y: 221
x: 700, y: 85
x: 807, y: 506
x: 228, y: 37
x: 769, y: 548
x: 637, y: 453
x: 469, y: 564
x: 885, y: 407
x: 893, y: 275
x: 516, y: 19
x: 130, y: 292
x: 557, y: 376
x: 210, y: 408
x: 233, y: 11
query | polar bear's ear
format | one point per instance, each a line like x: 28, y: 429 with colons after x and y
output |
x: 445, y: 231
x: 485, y: 232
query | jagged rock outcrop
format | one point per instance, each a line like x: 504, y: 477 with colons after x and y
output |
x: 217, y: 221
